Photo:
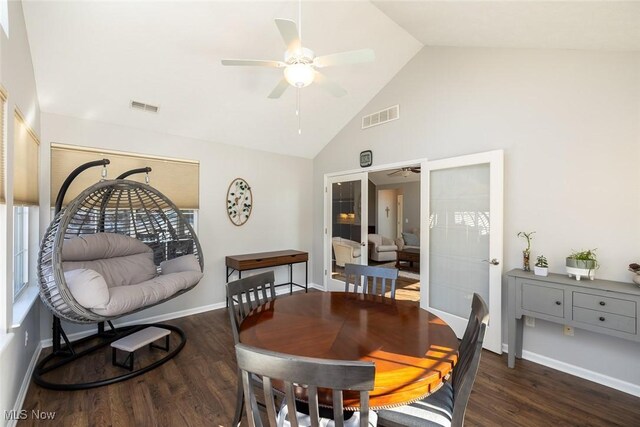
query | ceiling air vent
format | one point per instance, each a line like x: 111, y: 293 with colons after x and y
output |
x: 144, y: 107
x: 380, y: 117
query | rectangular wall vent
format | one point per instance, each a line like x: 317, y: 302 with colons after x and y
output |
x: 144, y: 107
x: 380, y: 117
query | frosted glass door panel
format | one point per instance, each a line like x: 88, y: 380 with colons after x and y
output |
x: 459, y: 225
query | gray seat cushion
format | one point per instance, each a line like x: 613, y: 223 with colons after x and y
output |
x: 124, y: 299
x: 386, y: 248
x: 435, y: 410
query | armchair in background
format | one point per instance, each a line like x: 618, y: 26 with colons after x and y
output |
x: 382, y: 248
x: 347, y: 251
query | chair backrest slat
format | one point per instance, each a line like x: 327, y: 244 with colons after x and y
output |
x: 243, y: 296
x: 358, y: 275
x: 311, y: 373
x: 465, y: 371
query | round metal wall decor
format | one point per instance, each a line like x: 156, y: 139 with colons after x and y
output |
x: 239, y: 201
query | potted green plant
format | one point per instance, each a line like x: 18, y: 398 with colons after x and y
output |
x: 542, y: 266
x: 526, y: 252
x: 582, y: 263
x: 635, y: 268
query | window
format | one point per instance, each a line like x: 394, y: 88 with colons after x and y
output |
x: 4, y: 16
x: 20, y: 249
x: 3, y: 99
x: 25, y: 201
x: 175, y: 178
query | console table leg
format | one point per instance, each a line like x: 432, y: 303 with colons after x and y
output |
x: 290, y: 279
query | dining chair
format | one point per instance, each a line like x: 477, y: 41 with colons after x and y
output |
x: 310, y: 374
x: 358, y: 275
x: 244, y: 295
x: 447, y: 406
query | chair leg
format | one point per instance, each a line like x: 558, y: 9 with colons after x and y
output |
x: 239, y: 403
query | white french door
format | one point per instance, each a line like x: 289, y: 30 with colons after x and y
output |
x: 345, y: 226
x: 463, y: 198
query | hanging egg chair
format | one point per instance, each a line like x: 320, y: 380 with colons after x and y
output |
x: 119, y: 247
x: 128, y: 232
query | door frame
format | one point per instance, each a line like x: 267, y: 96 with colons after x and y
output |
x: 326, y: 246
x: 364, y: 221
x: 493, y: 341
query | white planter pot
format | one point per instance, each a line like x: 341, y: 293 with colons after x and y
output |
x: 581, y: 272
x: 540, y: 271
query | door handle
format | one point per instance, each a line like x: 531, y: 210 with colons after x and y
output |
x: 493, y: 261
x: 363, y: 244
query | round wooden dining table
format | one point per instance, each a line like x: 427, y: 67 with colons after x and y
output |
x: 413, y: 350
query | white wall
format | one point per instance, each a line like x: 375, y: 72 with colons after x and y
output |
x: 280, y: 219
x: 386, y: 224
x: 411, y: 208
x: 569, y: 124
x: 16, y: 76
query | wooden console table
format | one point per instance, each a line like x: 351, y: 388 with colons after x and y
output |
x: 602, y: 306
x: 289, y: 257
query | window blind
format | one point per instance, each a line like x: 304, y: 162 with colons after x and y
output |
x: 177, y: 179
x: 3, y: 103
x: 26, y: 166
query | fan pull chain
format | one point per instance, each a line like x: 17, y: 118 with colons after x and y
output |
x: 298, y: 111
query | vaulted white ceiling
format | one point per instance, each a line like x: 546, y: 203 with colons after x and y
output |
x: 91, y: 58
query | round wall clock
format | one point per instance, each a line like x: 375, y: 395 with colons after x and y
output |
x: 239, y: 201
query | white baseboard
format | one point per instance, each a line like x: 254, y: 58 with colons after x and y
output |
x: 151, y: 319
x: 596, y: 377
x: 26, y: 381
x: 316, y: 286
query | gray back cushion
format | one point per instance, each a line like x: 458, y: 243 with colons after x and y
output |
x: 90, y: 247
x: 120, y: 259
x: 411, y: 239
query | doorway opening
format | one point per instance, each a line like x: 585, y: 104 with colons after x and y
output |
x: 394, y: 226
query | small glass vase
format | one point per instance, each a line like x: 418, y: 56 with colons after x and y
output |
x: 525, y: 261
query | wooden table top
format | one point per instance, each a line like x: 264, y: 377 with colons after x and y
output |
x: 413, y: 349
x: 262, y: 255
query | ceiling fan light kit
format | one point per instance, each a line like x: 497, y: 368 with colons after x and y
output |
x: 301, y: 65
x: 299, y: 75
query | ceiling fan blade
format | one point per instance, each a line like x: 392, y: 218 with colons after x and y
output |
x: 289, y: 32
x: 415, y: 169
x: 326, y: 84
x: 279, y: 89
x: 394, y: 172
x: 253, y: 63
x: 345, y: 58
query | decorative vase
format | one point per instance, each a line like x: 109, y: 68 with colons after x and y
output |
x: 540, y: 271
x: 525, y: 261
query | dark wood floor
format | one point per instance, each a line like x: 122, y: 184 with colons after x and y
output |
x: 197, y: 388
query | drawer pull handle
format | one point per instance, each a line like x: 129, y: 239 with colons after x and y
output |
x: 259, y: 260
x: 601, y: 319
x: 602, y: 303
x: 558, y: 303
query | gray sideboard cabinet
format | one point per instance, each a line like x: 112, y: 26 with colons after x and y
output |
x: 596, y: 305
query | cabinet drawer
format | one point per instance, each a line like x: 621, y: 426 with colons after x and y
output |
x: 605, y: 304
x: 605, y: 320
x: 543, y: 299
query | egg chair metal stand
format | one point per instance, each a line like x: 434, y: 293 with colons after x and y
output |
x: 119, y: 206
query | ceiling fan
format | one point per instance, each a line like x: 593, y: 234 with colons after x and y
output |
x: 301, y: 65
x: 405, y: 172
